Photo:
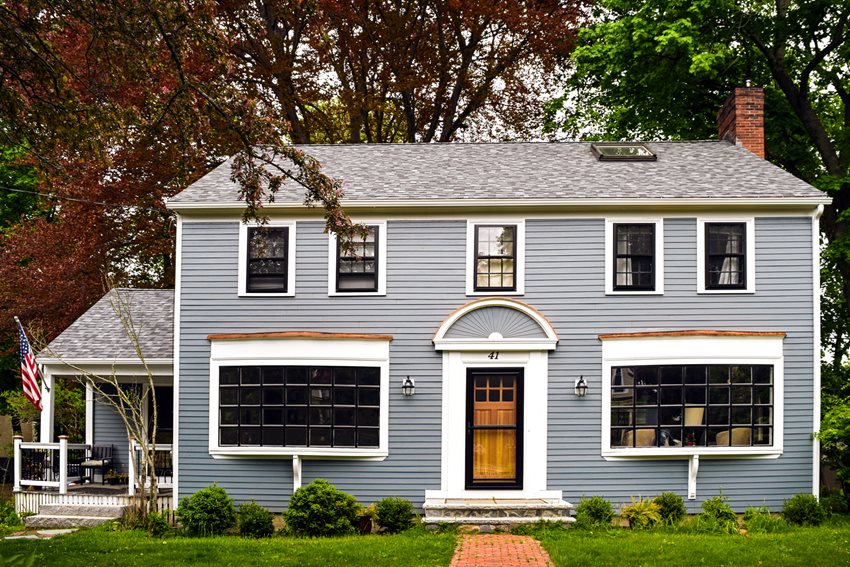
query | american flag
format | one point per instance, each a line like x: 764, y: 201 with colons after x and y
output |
x: 29, y: 371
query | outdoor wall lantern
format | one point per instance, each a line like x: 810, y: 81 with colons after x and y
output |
x: 408, y: 386
x: 581, y: 387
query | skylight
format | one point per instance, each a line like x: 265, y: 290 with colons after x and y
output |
x: 622, y: 151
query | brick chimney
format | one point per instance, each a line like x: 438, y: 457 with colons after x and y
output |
x: 741, y: 119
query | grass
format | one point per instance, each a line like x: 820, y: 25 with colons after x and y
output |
x: 827, y: 545
x: 95, y: 547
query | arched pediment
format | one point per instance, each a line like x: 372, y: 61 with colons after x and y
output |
x: 496, y: 324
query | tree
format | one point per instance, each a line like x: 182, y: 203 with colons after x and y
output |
x: 130, y: 402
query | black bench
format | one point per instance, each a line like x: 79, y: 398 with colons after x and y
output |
x: 100, y: 458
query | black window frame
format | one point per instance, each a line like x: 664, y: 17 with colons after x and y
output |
x: 249, y: 284
x: 652, y: 256
x: 742, y: 256
x: 282, y: 407
x: 340, y: 258
x: 718, y: 393
x: 476, y: 258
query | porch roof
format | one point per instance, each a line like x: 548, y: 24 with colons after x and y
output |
x: 99, y: 335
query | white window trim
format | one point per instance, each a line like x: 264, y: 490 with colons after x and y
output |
x: 382, y: 262
x: 299, y: 352
x: 693, y: 350
x: 609, y: 255
x: 470, y: 256
x: 242, y: 273
x: 750, y: 267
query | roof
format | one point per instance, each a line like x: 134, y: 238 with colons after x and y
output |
x: 99, y: 335
x: 387, y: 173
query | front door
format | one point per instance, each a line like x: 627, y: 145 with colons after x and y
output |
x: 494, y: 428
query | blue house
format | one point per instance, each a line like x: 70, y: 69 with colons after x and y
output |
x: 524, y: 323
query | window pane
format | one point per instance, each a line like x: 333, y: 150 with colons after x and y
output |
x: 251, y: 375
x: 228, y: 375
x: 718, y: 374
x: 367, y: 437
x: 228, y: 436
x: 671, y: 396
x: 296, y: 375
x: 296, y: 416
x: 718, y: 395
x: 296, y: 437
x: 320, y: 436
x: 249, y: 396
x: 671, y: 375
x: 368, y: 397
x: 321, y: 375
x: 272, y: 436
x: 272, y: 417
x: 718, y: 416
x: 320, y: 416
x: 369, y: 376
x: 367, y: 417
x: 250, y: 436
x: 228, y: 396
x: 249, y: 416
x: 622, y: 417
x: 344, y: 396
x: 273, y: 375
x: 344, y: 416
x: 296, y: 395
x: 344, y: 437
x: 229, y: 416
x: 671, y: 415
x: 344, y: 376
x: 273, y: 396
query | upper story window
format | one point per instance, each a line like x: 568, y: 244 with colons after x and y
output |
x: 361, y: 269
x: 267, y: 259
x: 622, y: 151
x: 726, y: 256
x: 496, y: 258
x: 357, y: 267
x: 635, y: 264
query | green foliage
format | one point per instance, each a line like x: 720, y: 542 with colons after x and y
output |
x: 9, y: 519
x: 641, y: 513
x: 255, y: 521
x: 157, y: 524
x: 761, y: 521
x: 594, y: 512
x: 320, y: 509
x: 207, y: 512
x: 69, y: 404
x: 394, y: 514
x: 717, y: 517
x: 835, y: 503
x: 834, y: 437
x: 803, y: 510
x: 671, y: 507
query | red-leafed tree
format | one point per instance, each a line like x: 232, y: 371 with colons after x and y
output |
x: 121, y: 104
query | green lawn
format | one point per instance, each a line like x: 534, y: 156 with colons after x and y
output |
x: 827, y: 545
x: 91, y: 548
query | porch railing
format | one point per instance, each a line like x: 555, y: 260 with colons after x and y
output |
x: 48, y: 464
x: 163, y: 465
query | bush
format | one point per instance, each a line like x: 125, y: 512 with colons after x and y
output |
x: 158, y: 524
x: 9, y: 519
x: 320, y: 509
x: 255, y: 521
x: 803, y: 509
x: 207, y: 512
x: 717, y: 517
x: 761, y: 521
x: 641, y: 513
x: 671, y: 507
x: 394, y: 514
x: 594, y: 512
x: 835, y: 503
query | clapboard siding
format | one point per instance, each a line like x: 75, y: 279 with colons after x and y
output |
x: 110, y: 430
x: 564, y: 279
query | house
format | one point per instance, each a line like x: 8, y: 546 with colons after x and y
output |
x: 526, y: 322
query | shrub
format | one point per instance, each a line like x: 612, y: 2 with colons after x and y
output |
x: 9, y: 520
x: 320, y: 509
x: 803, y: 509
x: 158, y: 524
x: 255, y: 521
x: 717, y: 517
x: 641, y: 513
x: 394, y: 514
x: 761, y: 521
x: 594, y: 512
x: 207, y: 512
x: 835, y: 503
x: 671, y: 507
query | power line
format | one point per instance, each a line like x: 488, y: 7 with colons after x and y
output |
x: 53, y: 196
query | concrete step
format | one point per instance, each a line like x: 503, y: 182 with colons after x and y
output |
x: 42, y: 521
x: 93, y: 510
x: 498, y: 508
x: 479, y: 521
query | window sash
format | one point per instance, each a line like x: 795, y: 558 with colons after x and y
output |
x: 634, y: 270
x: 267, y: 273
x: 494, y: 266
x: 358, y: 271
x: 299, y: 406
x: 673, y: 406
x: 727, y: 268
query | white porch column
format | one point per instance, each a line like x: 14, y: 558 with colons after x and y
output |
x: 89, y: 413
x: 296, y: 473
x: 131, y: 469
x: 63, y: 464
x: 45, y: 433
x: 17, y: 455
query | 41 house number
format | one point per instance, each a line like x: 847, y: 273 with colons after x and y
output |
x: 493, y: 355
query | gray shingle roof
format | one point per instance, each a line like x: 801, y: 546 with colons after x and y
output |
x: 533, y: 170
x: 98, y: 333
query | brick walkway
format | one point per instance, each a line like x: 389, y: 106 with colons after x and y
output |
x: 499, y: 551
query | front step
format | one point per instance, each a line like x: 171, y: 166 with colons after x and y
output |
x: 64, y: 516
x: 494, y: 511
